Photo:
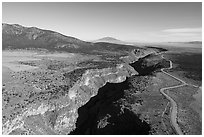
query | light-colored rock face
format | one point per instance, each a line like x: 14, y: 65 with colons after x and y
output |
x: 89, y: 84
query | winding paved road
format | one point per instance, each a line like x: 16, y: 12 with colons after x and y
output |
x: 173, y: 103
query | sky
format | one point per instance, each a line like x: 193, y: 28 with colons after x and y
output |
x: 135, y: 22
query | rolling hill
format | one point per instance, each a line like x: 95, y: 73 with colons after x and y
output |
x: 17, y: 36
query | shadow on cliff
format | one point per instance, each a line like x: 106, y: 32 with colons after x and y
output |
x: 103, y: 114
x: 93, y: 115
x: 150, y: 64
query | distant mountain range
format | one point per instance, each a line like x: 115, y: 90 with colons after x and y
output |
x: 15, y: 36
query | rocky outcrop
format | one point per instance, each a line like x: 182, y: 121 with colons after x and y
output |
x: 88, y: 87
x: 150, y: 63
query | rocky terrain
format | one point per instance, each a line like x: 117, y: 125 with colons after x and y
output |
x: 55, y: 84
x: 60, y: 112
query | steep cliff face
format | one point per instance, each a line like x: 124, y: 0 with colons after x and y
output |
x: 110, y: 110
x: 149, y: 64
x: 98, y: 86
x: 88, y: 87
x: 103, y: 114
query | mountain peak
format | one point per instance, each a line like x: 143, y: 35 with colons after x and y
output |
x: 109, y: 38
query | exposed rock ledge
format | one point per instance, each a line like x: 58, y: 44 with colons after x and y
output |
x: 63, y: 113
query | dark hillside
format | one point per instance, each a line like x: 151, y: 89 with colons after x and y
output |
x: 157, y: 48
x: 16, y: 36
x: 149, y: 64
